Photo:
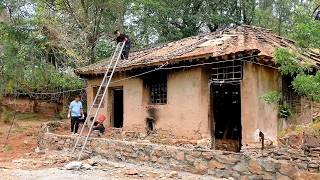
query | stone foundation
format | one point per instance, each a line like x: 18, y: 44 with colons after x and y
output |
x: 200, y: 161
x: 156, y: 137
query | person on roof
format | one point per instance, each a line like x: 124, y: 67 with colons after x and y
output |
x: 120, y: 37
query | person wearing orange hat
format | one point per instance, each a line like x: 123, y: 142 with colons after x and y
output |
x: 98, y: 124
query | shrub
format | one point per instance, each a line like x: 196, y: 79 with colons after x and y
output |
x: 6, y: 115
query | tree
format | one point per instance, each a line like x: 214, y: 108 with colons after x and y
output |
x: 79, y: 27
x: 306, y: 32
x: 23, y: 63
x: 161, y: 21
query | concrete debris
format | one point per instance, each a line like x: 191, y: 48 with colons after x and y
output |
x: 73, y: 165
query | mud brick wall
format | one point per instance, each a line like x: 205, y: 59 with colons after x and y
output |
x: 211, y: 162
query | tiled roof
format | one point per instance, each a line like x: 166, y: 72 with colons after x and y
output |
x: 227, y: 41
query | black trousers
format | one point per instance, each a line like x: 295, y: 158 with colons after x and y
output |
x: 125, y: 52
x: 75, y: 124
x: 100, y: 127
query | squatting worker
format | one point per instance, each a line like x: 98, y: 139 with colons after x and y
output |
x: 76, y: 112
x: 98, y: 124
x: 120, y: 37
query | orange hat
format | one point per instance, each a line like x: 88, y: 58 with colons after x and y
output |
x: 101, y: 118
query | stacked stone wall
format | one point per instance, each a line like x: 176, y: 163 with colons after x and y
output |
x: 200, y: 161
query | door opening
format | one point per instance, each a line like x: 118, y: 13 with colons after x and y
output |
x: 227, y: 116
x: 117, y: 108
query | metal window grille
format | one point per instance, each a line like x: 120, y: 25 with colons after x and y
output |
x: 226, y: 71
x: 158, y: 89
x: 99, y: 97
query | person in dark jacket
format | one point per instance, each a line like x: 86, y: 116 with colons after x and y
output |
x: 120, y: 38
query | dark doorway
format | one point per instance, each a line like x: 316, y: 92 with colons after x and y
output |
x: 117, y: 108
x: 227, y: 116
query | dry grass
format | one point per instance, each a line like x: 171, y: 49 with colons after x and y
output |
x: 311, y: 129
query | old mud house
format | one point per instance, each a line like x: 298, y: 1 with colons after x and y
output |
x: 207, y: 90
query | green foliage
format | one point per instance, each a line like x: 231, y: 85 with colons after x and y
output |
x: 288, y: 62
x: 285, y: 111
x: 104, y: 49
x: 80, y: 27
x: 27, y: 116
x: 78, y: 32
x: 24, y: 65
x: 6, y: 115
x: 306, y: 33
x: 272, y: 97
x: 305, y: 30
x: 308, y: 85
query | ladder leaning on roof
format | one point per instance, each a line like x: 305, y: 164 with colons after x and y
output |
x: 100, y: 94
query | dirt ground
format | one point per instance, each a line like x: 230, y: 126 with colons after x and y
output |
x: 21, y: 140
x: 51, y: 166
x: 19, y: 160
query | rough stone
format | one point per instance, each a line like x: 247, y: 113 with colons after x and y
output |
x: 224, y: 173
x: 313, y: 165
x: 171, y: 151
x: 254, y: 167
x: 196, y: 154
x: 154, y: 159
x: 131, y: 172
x: 92, y: 162
x: 226, y: 159
x: 268, y: 165
x: 190, y: 158
x: 245, y: 177
x: 267, y: 176
x: 173, y: 174
x: 201, y: 167
x: 307, y: 176
x: 86, y: 166
x: 287, y: 169
x: 207, y: 155
x: 250, y: 163
x: 241, y: 167
x: 180, y: 156
x: 282, y: 177
x: 213, y: 164
x: 74, y: 165
x: 204, y: 143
